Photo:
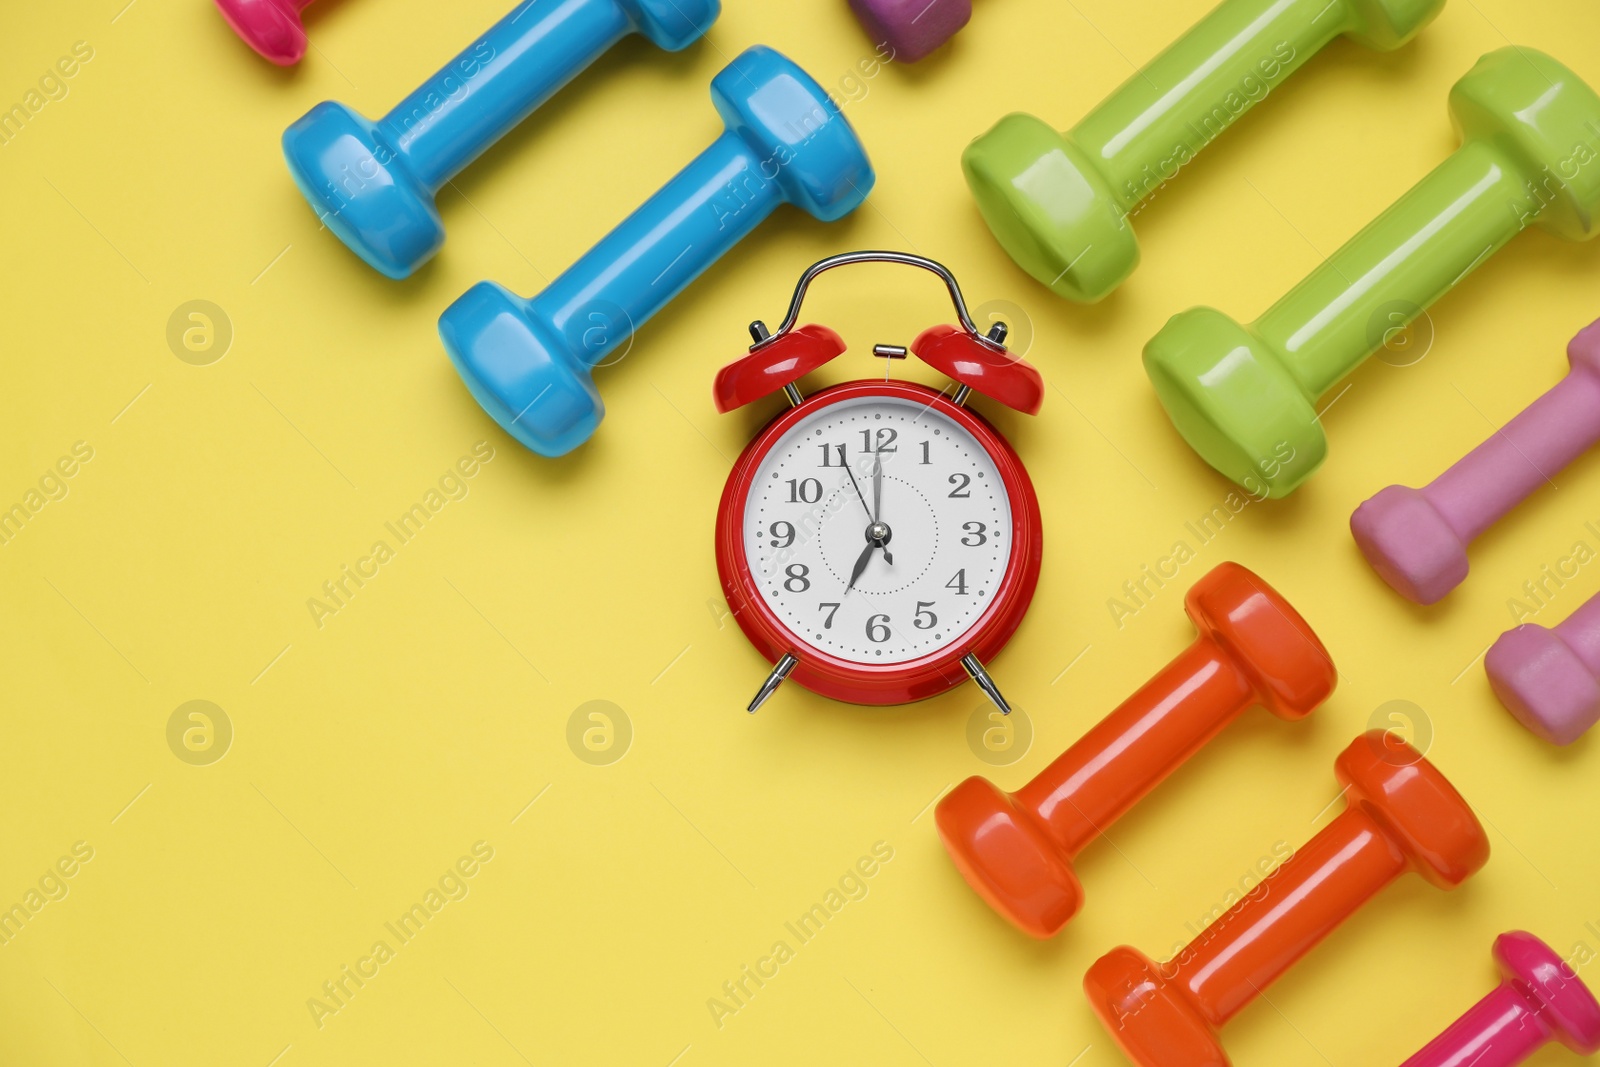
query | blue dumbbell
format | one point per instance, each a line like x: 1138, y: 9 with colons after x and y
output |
x: 373, y: 183
x: 528, y: 362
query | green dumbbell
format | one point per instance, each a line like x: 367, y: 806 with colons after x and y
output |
x: 1059, y: 203
x: 1244, y: 396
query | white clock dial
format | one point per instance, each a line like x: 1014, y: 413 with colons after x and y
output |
x: 948, y: 521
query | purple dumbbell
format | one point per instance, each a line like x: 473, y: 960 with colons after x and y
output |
x: 1416, y: 539
x: 1540, y: 999
x: 1550, y: 678
x: 912, y: 28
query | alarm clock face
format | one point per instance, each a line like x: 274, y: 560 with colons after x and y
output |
x: 942, y: 515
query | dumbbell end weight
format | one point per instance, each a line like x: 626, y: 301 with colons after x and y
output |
x: 1543, y: 683
x: 912, y: 28
x: 272, y: 27
x: 1546, y: 120
x: 362, y: 190
x: 1561, y: 1001
x: 529, y: 381
x: 1147, y: 1014
x: 1421, y: 811
x: 1410, y: 544
x: 1050, y: 208
x: 1234, y: 402
x: 1008, y: 856
x: 672, y: 25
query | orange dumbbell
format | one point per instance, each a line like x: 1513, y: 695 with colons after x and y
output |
x: 1016, y: 849
x: 1401, y: 815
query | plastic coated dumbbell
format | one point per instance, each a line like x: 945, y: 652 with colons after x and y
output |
x: 1400, y: 815
x: 1244, y: 396
x: 1058, y: 203
x: 1549, y: 678
x: 373, y: 183
x: 913, y: 28
x: 1539, y: 1000
x: 1416, y: 539
x: 272, y: 27
x: 1016, y: 849
x: 528, y: 362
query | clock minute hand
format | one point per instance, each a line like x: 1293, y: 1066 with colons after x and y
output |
x: 877, y: 485
x: 859, y: 495
x: 877, y: 502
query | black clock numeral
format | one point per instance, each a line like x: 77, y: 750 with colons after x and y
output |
x: 960, y: 481
x: 923, y: 611
x: 878, y: 629
x: 798, y: 580
x: 808, y: 491
x: 974, y: 530
x: 784, y: 530
x: 832, y: 609
x: 828, y: 454
x: 925, y: 459
x: 886, y: 436
x: 958, y: 582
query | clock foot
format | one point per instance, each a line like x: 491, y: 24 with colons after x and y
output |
x: 986, y: 683
x: 775, y: 679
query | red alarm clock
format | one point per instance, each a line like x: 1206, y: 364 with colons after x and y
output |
x: 879, y: 541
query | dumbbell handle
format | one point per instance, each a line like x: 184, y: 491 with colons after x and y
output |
x: 1505, y: 469
x: 1501, y: 1030
x: 710, y: 206
x: 454, y: 116
x: 1175, y: 99
x: 1448, y: 223
x: 1580, y: 631
x: 1130, y: 751
x: 1259, y: 938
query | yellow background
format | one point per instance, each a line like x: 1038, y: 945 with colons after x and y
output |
x: 425, y: 716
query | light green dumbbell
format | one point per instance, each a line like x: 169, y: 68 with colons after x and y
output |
x: 1059, y: 203
x: 1244, y: 396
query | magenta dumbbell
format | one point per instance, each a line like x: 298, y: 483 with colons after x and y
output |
x: 1539, y: 1000
x: 272, y: 27
x: 1549, y: 678
x: 912, y: 28
x: 1416, y: 539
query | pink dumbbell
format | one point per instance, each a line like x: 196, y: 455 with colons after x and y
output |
x: 1539, y: 1000
x: 1416, y: 539
x: 272, y: 27
x: 912, y: 28
x: 1550, y: 678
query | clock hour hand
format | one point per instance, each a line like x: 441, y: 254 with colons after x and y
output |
x: 861, y: 565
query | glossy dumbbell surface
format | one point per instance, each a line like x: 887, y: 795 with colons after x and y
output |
x: 1540, y: 1000
x: 272, y: 27
x: 1401, y: 815
x: 1059, y: 203
x: 373, y: 183
x: 1016, y: 850
x: 1245, y: 397
x: 527, y: 362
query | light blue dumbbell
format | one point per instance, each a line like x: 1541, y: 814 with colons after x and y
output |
x: 373, y: 183
x: 527, y: 362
